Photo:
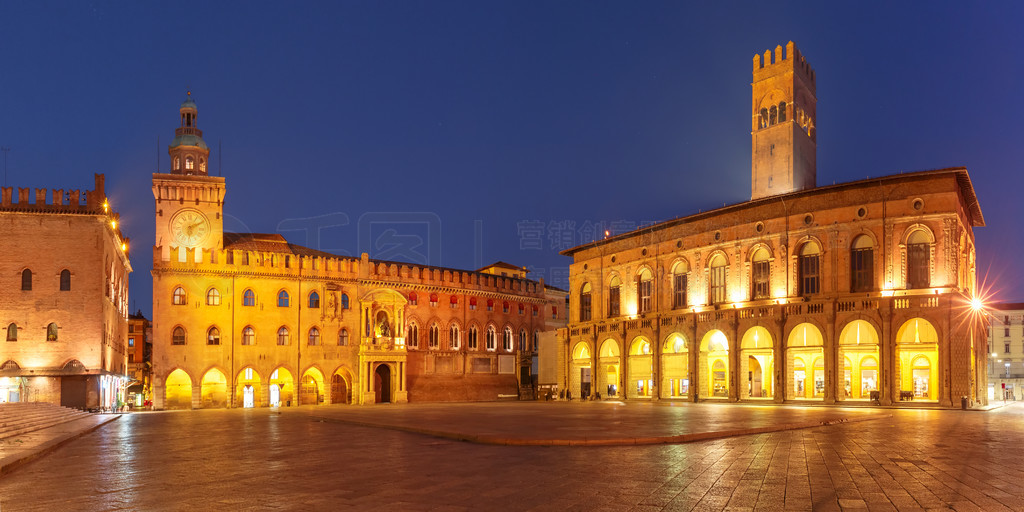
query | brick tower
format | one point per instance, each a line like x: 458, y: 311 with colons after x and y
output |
x: 782, y: 136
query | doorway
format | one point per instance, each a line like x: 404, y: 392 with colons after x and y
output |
x: 339, y: 390
x: 382, y: 384
x: 275, y: 395
x: 248, y: 397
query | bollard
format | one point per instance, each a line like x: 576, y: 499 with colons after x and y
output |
x: 963, y: 403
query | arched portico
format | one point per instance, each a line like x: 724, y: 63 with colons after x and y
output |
x: 917, y: 360
x: 675, y: 364
x: 214, y: 390
x: 311, y: 387
x: 580, y: 370
x: 757, y: 364
x: 714, y: 365
x: 178, y: 390
x: 341, y: 387
x: 641, y: 380
x: 608, y: 369
x: 281, y: 388
x: 859, y: 357
x: 805, y: 363
x: 249, y: 389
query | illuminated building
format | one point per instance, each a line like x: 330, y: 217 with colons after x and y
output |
x: 837, y: 293
x: 63, y: 298
x: 250, y: 320
x: 1006, y: 347
x: 140, y: 353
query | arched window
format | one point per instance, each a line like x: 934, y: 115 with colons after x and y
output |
x: 680, y: 280
x: 26, y: 280
x: 282, y: 299
x: 614, y: 297
x: 490, y: 304
x: 248, y: 336
x: 344, y: 301
x: 862, y: 264
x: 433, y: 300
x: 65, y: 280
x: 282, y: 336
x: 773, y: 114
x: 9, y: 364
x: 414, y: 336
x: 918, y: 259
x: 179, y: 298
x: 472, y: 341
x: 522, y: 340
x: 202, y: 164
x: 585, y: 312
x: 177, y: 163
x: 453, y: 337
x: 506, y: 339
x: 178, y: 336
x: 12, y: 332
x: 716, y: 286
x: 472, y: 303
x: 491, y: 335
x: 213, y: 297
x: 314, y: 300
x: 454, y: 301
x: 213, y: 336
x: 189, y: 163
x: 433, y: 337
x: 51, y: 332
x: 763, y: 118
x: 782, y: 112
x: 248, y: 297
x: 760, y: 274
x: 504, y: 306
x: 644, y: 290
x: 809, y: 267
x: 412, y: 298
x: 343, y: 337
x: 536, y: 339
x: 314, y: 336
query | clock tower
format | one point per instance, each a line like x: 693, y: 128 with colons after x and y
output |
x: 189, y: 202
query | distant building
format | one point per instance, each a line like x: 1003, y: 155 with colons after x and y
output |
x: 1006, y: 346
x: 63, y: 298
x: 841, y: 293
x: 250, y: 320
x: 140, y: 360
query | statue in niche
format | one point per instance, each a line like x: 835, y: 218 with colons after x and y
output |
x: 383, y: 327
x: 331, y: 302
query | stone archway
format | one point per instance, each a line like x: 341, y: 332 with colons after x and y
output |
x: 178, y: 390
x: 382, y: 384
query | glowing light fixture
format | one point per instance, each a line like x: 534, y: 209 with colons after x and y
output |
x: 976, y: 304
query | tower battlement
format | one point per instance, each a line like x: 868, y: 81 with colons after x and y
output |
x: 770, y: 64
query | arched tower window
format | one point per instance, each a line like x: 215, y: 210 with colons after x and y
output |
x: 65, y: 280
x: 26, y: 280
x: 177, y: 164
x: 213, y: 297
x: 179, y: 296
x: 773, y: 115
x: 12, y: 332
x: 189, y: 163
x: 51, y: 332
x: 782, y: 112
x: 178, y: 336
x: 762, y: 121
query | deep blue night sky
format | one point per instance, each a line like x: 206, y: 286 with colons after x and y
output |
x: 533, y: 121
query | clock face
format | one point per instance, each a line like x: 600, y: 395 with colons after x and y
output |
x: 190, y: 227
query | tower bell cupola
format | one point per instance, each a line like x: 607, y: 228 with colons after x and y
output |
x: 189, y: 154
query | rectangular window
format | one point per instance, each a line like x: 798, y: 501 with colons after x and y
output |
x: 131, y: 342
x: 917, y: 266
x: 679, y: 291
x: 131, y: 358
x: 1006, y: 332
x: 717, y: 284
x: 862, y: 270
x: 645, y: 295
x: 760, y: 279
x: 613, y: 302
x: 1006, y: 348
x: 809, y: 277
x: 584, y: 307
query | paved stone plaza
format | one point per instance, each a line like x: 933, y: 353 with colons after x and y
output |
x: 317, y: 459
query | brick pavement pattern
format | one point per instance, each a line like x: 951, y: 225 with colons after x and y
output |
x: 296, y: 459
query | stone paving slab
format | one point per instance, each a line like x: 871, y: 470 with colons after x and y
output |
x: 587, y: 423
x: 17, y: 450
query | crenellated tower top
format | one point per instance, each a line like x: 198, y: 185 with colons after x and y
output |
x: 783, y: 114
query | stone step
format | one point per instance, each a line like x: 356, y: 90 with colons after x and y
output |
x: 23, y: 417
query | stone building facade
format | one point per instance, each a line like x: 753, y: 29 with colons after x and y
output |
x: 1006, y: 343
x: 140, y: 355
x: 63, y: 298
x: 250, y: 320
x: 850, y: 292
